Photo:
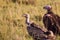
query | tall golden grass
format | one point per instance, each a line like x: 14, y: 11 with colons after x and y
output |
x: 12, y: 24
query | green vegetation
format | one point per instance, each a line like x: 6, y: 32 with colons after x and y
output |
x: 12, y: 24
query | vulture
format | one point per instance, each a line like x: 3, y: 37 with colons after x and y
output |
x: 51, y: 21
x: 36, y: 32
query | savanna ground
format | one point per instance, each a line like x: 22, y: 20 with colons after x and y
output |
x: 12, y: 24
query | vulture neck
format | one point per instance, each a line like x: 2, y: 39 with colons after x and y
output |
x: 27, y: 20
x: 49, y: 12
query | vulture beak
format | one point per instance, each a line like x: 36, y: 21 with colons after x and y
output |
x: 43, y: 7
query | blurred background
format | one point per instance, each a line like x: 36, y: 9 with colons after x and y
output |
x: 12, y: 24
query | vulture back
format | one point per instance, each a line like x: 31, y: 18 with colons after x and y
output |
x: 37, y: 33
x: 51, y: 22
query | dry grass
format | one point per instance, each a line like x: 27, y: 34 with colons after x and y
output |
x: 12, y: 24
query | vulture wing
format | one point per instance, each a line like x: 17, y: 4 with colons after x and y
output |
x: 37, y: 33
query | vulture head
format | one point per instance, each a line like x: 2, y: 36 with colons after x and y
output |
x: 47, y: 7
x: 26, y: 15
